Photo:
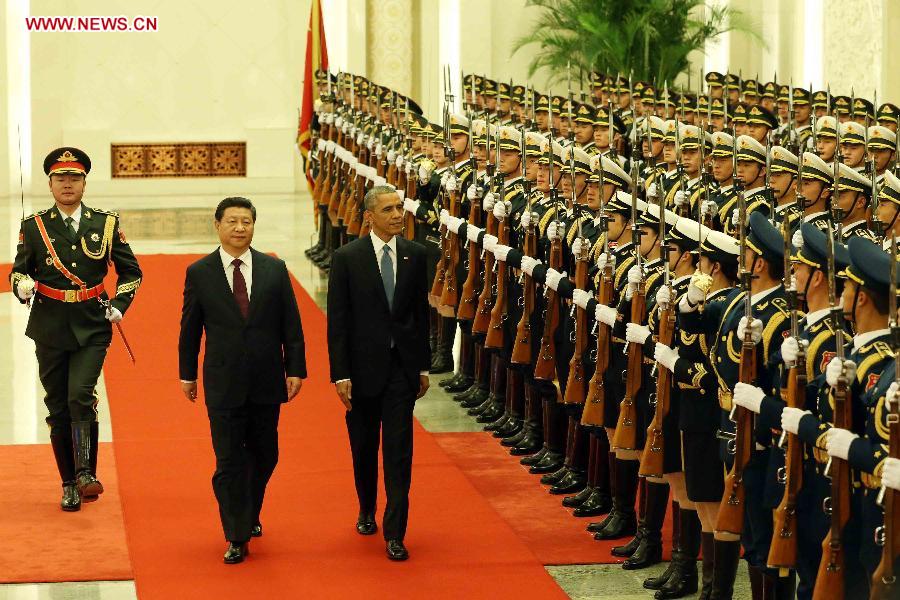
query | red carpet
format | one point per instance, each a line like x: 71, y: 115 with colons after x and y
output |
x: 460, y: 547
x: 44, y: 544
x: 549, y: 530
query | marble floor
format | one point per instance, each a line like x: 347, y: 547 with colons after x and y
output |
x: 183, y: 225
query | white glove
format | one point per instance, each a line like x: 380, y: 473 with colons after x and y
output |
x: 634, y: 278
x: 444, y: 216
x: 577, y: 247
x: 402, y: 194
x: 652, y: 190
x: 338, y: 121
x: 472, y: 233
x: 756, y: 328
x: 451, y: 184
x: 698, y: 287
x: 330, y: 146
x: 603, y: 258
x: 500, y: 210
x: 473, y: 192
x: 488, y: 203
x: 553, y: 278
x: 526, y: 218
x: 748, y: 396
x: 370, y: 144
x: 665, y: 356
x: 399, y: 161
x: 735, y: 217
x: 790, y: 348
x: 113, y: 315
x: 321, y: 145
x: 424, y: 174
x: 890, y: 473
x: 636, y: 334
x: 454, y: 224
x: 501, y: 252
x: 528, y: 264
x: 605, y: 314
x: 360, y: 138
x: 837, y: 442
x: 833, y: 371
x: 553, y: 232
x: 663, y: 295
x: 379, y: 149
x: 709, y: 207
x: 25, y: 288
x: 488, y: 242
x: 797, y: 239
x: 411, y: 206
x: 408, y: 167
x: 680, y: 198
x: 891, y: 396
x: 790, y: 418
x: 391, y: 156
x: 580, y: 298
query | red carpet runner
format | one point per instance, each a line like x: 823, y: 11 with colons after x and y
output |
x: 460, y: 547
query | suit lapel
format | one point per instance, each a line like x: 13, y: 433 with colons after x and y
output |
x: 370, y: 263
x: 218, y: 274
x: 55, y: 226
x: 403, y: 267
x: 260, y: 270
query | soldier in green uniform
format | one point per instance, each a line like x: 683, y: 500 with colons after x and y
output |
x: 62, y: 257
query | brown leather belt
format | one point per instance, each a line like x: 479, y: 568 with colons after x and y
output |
x: 68, y: 295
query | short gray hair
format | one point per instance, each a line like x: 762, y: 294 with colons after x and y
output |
x: 379, y: 190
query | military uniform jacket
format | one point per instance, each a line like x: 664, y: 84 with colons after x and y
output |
x: 861, y: 229
x: 98, y: 244
x: 868, y: 453
x: 756, y: 199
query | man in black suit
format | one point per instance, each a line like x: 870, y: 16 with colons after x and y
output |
x: 254, y: 361
x: 379, y: 355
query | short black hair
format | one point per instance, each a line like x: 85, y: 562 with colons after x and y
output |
x: 234, y: 202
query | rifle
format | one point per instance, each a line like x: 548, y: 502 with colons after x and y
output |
x: 468, y: 303
x: 595, y: 404
x: 482, y: 320
x: 495, y: 333
x: 830, y: 578
x: 450, y: 292
x: 654, y: 448
x: 407, y: 182
x: 740, y: 443
x: 521, y: 353
x: 625, y: 436
x: 391, y: 169
x: 783, y: 551
x: 884, y: 582
x: 685, y: 209
x: 575, y: 385
x: 545, y: 366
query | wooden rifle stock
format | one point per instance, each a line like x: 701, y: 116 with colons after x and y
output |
x: 468, y: 303
x: 625, y: 436
x: 483, y: 313
x: 653, y: 455
x: 884, y: 585
x: 830, y: 579
x: 408, y: 181
x: 321, y: 175
x: 576, y: 389
x: 595, y: 405
x: 545, y: 367
x: 450, y: 292
x: 495, y: 337
x: 522, y: 354
x: 783, y: 551
x: 731, y: 508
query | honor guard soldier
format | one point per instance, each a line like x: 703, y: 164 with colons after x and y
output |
x: 882, y: 148
x: 888, y: 207
x: 853, y: 145
x: 854, y: 194
x: 815, y: 187
x: 888, y: 116
x: 784, y: 168
x: 62, y: 257
x: 826, y: 138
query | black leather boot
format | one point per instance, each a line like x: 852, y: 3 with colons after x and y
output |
x: 655, y: 583
x: 574, y: 481
x: 569, y: 447
x: 649, y: 550
x: 515, y: 403
x: 757, y: 582
x: 442, y: 361
x: 579, y: 498
x: 683, y: 580
x: 598, y: 503
x: 727, y: 556
x: 510, y: 428
x: 622, y: 520
x: 87, y: 484
x: 538, y: 415
x: 631, y: 547
x: 95, y: 446
x: 514, y: 440
x: 785, y: 587
x: 535, y: 457
x: 707, y: 543
x: 497, y: 424
x: 65, y: 464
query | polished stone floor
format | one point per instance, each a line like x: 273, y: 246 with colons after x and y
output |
x: 182, y: 225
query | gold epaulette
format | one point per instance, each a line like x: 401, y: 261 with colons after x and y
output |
x: 105, y: 212
x: 40, y: 212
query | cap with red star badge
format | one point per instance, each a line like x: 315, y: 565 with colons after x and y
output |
x: 67, y: 161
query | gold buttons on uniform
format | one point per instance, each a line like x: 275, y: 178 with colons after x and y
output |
x: 74, y: 265
x: 74, y: 247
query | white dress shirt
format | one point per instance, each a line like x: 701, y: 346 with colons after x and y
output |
x: 75, y: 216
x: 379, y: 245
x: 246, y: 268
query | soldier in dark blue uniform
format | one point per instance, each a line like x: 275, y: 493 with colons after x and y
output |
x: 62, y: 257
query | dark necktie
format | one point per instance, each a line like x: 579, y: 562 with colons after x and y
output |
x: 240, y: 288
x: 387, y: 274
x: 70, y: 225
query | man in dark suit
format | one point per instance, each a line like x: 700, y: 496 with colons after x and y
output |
x: 378, y: 348
x: 254, y: 361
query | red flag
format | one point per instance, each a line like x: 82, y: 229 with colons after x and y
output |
x: 316, y: 58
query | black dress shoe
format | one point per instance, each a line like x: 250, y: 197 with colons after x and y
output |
x: 513, y: 426
x: 236, y: 553
x: 578, y: 499
x: 536, y: 457
x: 396, y: 550
x: 629, y: 548
x: 514, y: 440
x: 620, y: 524
x: 598, y: 503
x: 448, y: 380
x: 490, y: 414
x: 655, y: 583
x: 366, y: 525
x: 476, y: 399
x: 530, y: 449
x: 556, y: 476
x: 648, y: 553
x: 71, y: 500
x: 573, y: 483
x: 256, y: 531
x: 498, y: 423
x: 88, y: 485
x: 466, y: 394
x: 462, y: 384
x: 551, y: 463
x: 683, y: 581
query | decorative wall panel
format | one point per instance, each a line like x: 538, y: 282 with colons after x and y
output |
x: 209, y: 159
